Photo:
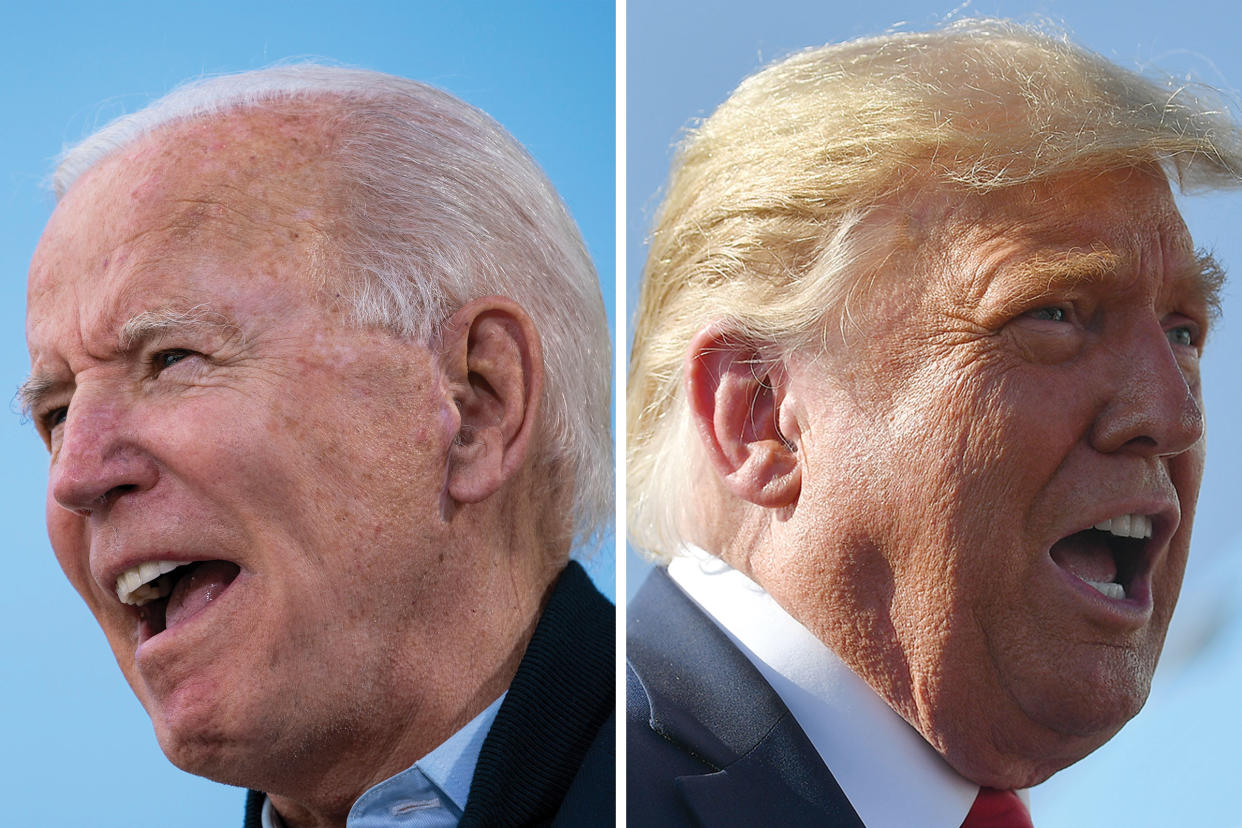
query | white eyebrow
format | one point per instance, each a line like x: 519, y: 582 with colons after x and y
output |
x: 150, y: 324
x: 31, y: 392
x: 160, y: 321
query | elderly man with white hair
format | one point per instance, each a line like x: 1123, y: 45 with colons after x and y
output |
x: 915, y: 424
x: 322, y: 366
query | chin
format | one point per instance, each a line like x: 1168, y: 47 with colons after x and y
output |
x: 1013, y: 755
x: 193, y: 731
x: 1009, y: 771
x: 1090, y: 701
x: 1040, y: 726
x: 1059, y: 727
x: 201, y: 754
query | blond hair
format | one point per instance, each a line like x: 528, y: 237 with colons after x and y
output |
x: 762, y: 229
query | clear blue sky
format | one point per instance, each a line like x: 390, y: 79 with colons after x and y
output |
x: 1176, y: 764
x: 78, y: 749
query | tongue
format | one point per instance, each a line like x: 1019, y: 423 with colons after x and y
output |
x: 196, y: 589
x: 1087, y: 555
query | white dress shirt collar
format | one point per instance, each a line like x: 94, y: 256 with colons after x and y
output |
x: 889, y: 773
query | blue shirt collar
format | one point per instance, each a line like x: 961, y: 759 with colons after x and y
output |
x: 432, y: 792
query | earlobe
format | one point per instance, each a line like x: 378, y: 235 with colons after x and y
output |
x: 742, y: 411
x: 493, y: 363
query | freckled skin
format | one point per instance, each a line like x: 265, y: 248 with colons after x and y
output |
x: 947, y: 444
x: 368, y: 622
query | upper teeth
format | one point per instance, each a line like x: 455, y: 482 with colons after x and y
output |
x: 145, y: 582
x: 1127, y: 526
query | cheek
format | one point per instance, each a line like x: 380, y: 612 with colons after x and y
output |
x: 964, y: 465
x: 1007, y: 444
x: 67, y: 533
x: 976, y: 453
x: 362, y: 464
x: 1186, y: 474
x: 70, y: 543
x: 362, y: 451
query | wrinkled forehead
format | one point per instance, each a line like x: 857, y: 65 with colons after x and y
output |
x: 1118, y: 219
x: 241, y: 182
x: 1132, y: 200
x: 949, y: 245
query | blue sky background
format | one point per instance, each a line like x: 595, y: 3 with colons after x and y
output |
x: 1177, y: 762
x: 77, y: 747
x: 78, y: 750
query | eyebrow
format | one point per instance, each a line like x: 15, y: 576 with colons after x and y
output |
x: 140, y: 328
x: 1074, y: 267
x: 1050, y: 273
x: 153, y: 324
x: 1209, y: 279
x: 31, y: 392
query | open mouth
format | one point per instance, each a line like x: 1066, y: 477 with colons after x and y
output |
x: 1110, y: 557
x: 168, y: 593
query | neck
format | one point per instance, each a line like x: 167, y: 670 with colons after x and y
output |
x: 463, y: 655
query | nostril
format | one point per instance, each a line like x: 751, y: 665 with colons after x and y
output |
x: 116, y: 493
x: 79, y: 501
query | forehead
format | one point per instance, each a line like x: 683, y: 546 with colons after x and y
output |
x: 1123, y: 225
x: 1089, y: 201
x: 180, y: 208
x: 246, y: 166
x: 1125, y: 211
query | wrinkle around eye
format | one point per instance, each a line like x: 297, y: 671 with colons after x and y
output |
x: 185, y: 364
x: 48, y: 424
x: 167, y: 358
x: 1048, y: 313
x: 1045, y: 340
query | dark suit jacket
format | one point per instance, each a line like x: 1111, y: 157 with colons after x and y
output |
x: 550, y: 756
x: 708, y: 741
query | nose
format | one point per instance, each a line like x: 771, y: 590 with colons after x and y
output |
x: 98, y: 461
x: 1154, y: 410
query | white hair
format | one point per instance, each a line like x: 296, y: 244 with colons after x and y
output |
x: 442, y: 206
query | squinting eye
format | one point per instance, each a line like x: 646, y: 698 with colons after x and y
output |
x: 1181, y: 335
x: 55, y: 417
x: 1050, y: 314
x: 167, y: 359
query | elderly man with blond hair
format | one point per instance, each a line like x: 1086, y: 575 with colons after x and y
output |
x: 322, y: 366
x: 915, y: 425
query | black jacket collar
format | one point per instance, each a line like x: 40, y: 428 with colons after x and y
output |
x: 549, y: 756
x: 755, y: 766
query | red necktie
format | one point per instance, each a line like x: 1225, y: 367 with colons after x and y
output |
x: 997, y: 809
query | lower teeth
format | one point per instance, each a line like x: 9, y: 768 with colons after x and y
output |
x: 1108, y: 588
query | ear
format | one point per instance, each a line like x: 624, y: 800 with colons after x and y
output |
x: 743, y: 414
x: 493, y: 364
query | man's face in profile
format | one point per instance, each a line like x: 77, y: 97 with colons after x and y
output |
x: 1033, y: 376
x: 205, y: 408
